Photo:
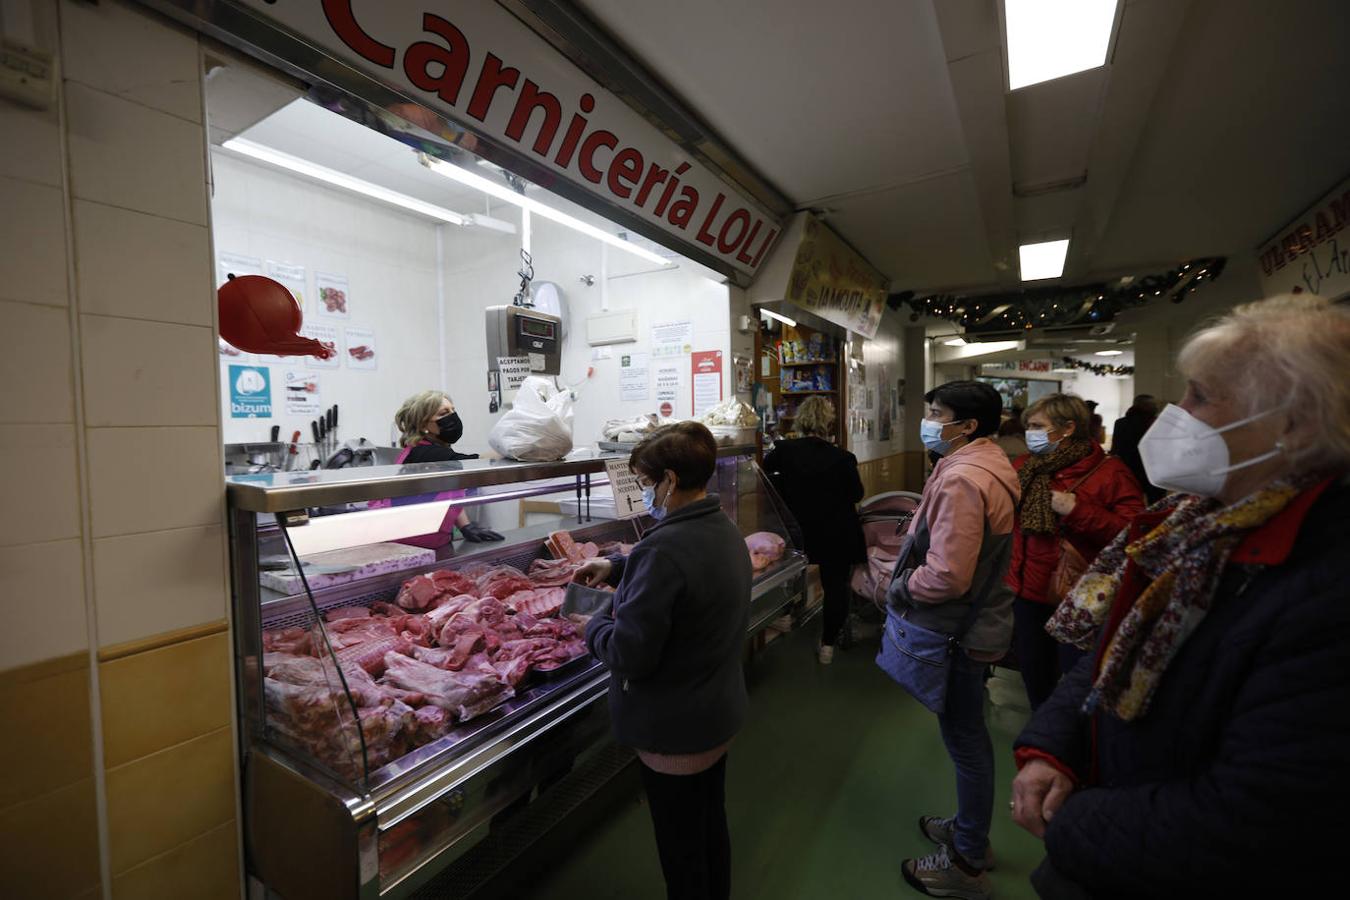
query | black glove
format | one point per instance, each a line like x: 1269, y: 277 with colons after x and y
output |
x: 478, y: 534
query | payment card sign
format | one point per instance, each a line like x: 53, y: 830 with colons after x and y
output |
x: 250, y: 392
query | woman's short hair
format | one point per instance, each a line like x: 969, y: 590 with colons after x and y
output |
x: 686, y: 448
x: 1291, y: 351
x: 1061, y: 409
x: 815, y: 416
x: 414, y: 412
x: 970, y: 400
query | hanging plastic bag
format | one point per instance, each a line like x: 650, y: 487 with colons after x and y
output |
x: 538, y: 428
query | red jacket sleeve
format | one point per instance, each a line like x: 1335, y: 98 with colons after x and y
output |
x: 1100, y: 514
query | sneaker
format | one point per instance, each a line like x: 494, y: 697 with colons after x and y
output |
x: 938, y: 876
x: 943, y: 831
x: 825, y: 654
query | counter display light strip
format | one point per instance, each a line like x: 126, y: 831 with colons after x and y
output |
x: 502, y: 192
x: 340, y: 180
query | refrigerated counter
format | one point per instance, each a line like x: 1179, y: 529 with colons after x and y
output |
x: 337, y: 810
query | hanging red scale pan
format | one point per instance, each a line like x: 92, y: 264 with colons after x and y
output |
x: 258, y: 315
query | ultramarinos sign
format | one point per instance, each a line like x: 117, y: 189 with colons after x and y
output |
x: 1312, y: 253
x: 478, y: 65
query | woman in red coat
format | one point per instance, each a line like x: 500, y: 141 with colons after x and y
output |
x: 1071, y: 491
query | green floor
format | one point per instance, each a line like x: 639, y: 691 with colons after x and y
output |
x: 823, y: 788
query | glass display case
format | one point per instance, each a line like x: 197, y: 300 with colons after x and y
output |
x: 397, y: 694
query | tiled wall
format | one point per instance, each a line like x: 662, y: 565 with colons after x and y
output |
x: 118, y: 776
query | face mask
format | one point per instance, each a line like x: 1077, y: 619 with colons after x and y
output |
x: 1181, y: 453
x: 449, y: 428
x: 1039, y: 442
x: 930, y: 432
x: 649, y: 500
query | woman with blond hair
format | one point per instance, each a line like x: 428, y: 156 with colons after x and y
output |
x: 1075, y: 499
x: 1207, y: 726
x: 821, y: 486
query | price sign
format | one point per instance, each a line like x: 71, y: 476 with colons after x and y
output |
x: 627, y: 494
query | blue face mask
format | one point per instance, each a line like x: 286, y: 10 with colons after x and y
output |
x: 649, y: 500
x: 1039, y: 442
x: 930, y: 432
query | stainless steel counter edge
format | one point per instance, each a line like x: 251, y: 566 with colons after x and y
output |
x: 326, y: 487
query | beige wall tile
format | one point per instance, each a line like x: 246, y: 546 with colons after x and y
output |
x: 49, y: 845
x: 127, y: 155
x: 38, y: 476
x: 56, y: 749
x: 147, y: 373
x: 152, y: 479
x: 108, y: 237
x: 159, y: 801
x: 42, y: 603
x: 206, y: 868
x: 32, y: 241
x: 31, y: 149
x: 188, y: 587
x: 126, y: 52
x: 37, y: 357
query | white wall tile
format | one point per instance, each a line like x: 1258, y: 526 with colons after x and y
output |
x: 185, y: 587
x: 113, y: 249
x: 31, y: 149
x: 38, y: 478
x: 42, y: 601
x: 126, y: 52
x: 35, y: 367
x: 147, y: 373
x: 127, y: 155
x: 152, y: 479
x: 32, y: 241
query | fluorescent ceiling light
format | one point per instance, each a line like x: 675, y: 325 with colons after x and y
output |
x: 1110, y: 352
x: 341, y: 180
x: 1053, y: 38
x: 502, y: 192
x: 1065, y: 371
x: 478, y: 220
x: 955, y: 342
x: 773, y: 315
x: 1043, y: 260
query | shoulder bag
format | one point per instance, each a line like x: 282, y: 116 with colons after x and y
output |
x: 1071, y: 565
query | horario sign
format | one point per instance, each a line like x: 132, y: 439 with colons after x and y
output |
x: 479, y: 66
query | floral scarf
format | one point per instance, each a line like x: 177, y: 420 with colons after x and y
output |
x: 1038, y: 517
x: 1184, y: 557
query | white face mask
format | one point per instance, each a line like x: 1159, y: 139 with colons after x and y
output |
x: 1181, y: 453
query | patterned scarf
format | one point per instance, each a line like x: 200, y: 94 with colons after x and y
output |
x: 1037, y: 515
x: 1184, y: 557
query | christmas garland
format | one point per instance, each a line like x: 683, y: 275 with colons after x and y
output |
x: 1039, y: 307
x: 1096, y: 368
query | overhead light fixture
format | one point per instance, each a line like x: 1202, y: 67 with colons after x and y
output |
x: 955, y: 342
x: 1110, y: 352
x: 502, y: 192
x: 1043, y: 260
x: 1065, y: 371
x: 773, y: 315
x: 478, y: 220
x: 342, y: 180
x: 1053, y: 38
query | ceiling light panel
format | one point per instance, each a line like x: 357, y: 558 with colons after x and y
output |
x: 1053, y: 38
x: 1043, y: 260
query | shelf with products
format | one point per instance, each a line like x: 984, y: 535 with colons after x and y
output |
x: 810, y: 362
x: 806, y: 393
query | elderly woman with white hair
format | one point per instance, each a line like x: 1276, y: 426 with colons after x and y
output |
x: 1203, y: 748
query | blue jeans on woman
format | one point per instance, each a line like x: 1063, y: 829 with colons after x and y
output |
x: 972, y: 753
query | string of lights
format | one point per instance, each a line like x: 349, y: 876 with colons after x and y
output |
x: 1062, y: 305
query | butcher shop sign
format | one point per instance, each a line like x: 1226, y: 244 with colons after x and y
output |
x: 479, y: 67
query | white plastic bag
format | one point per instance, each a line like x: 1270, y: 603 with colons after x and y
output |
x: 538, y: 428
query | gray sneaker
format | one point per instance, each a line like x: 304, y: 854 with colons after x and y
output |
x: 943, y: 831
x: 937, y: 876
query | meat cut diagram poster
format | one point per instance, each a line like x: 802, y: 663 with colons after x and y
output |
x: 334, y: 295
x: 361, y: 349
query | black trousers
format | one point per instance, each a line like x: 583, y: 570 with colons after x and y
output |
x: 834, y: 578
x: 1042, y: 658
x: 690, y: 816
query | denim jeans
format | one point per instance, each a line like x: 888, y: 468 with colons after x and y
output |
x: 972, y: 753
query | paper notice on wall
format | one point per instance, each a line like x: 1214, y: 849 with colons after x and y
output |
x: 672, y: 339
x: 324, y: 334
x: 514, y: 369
x: 302, y: 393
x: 623, y: 483
x: 361, y: 349
x: 334, y: 295
x: 635, y: 377
x: 292, y: 277
x: 706, y: 369
x: 667, y: 390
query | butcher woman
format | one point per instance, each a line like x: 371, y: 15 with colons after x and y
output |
x: 673, y: 640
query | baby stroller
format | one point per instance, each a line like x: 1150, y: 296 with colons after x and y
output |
x: 885, y: 521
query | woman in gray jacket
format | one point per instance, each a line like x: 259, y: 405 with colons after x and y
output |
x: 673, y: 641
